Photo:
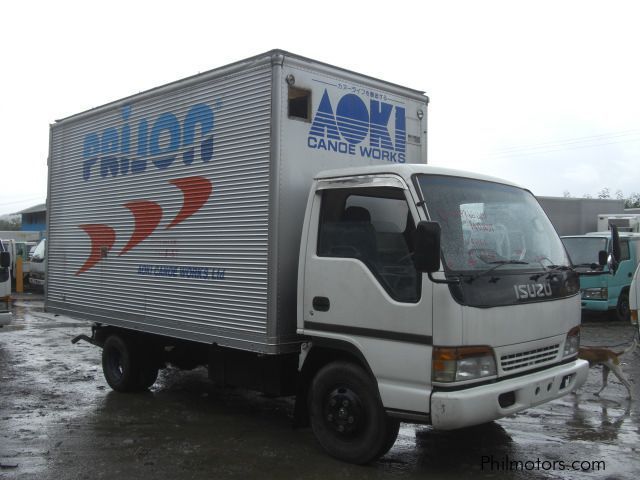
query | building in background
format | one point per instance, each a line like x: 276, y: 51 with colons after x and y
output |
x: 33, y: 225
x: 34, y: 219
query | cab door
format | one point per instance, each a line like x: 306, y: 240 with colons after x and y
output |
x: 619, y: 283
x: 361, y: 287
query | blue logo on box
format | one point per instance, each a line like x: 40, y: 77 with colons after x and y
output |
x: 346, y: 130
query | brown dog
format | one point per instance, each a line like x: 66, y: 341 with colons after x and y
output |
x: 610, y: 361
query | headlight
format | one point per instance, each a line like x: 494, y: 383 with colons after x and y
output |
x: 595, y: 293
x: 572, y: 342
x: 457, y: 364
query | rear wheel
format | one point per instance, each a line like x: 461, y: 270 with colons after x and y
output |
x: 124, y: 366
x: 346, y: 414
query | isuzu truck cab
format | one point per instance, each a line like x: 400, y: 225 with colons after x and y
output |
x: 453, y: 288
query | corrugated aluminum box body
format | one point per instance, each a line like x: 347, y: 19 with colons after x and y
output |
x: 178, y: 211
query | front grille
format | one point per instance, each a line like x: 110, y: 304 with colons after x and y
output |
x: 529, y: 359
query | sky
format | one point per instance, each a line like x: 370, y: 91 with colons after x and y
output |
x: 543, y: 93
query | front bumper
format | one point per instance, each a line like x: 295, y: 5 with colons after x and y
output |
x: 473, y: 406
x: 595, y: 305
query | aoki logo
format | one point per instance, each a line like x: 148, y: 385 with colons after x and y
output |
x: 532, y: 290
x: 159, y: 140
x: 147, y: 215
x: 346, y: 130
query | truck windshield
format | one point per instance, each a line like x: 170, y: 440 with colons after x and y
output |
x: 584, y: 250
x: 485, y: 224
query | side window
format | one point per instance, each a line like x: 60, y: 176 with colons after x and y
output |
x: 299, y: 103
x: 624, y: 250
x: 373, y: 225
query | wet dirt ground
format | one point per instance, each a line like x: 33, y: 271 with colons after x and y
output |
x: 60, y: 420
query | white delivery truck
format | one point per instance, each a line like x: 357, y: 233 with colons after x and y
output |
x: 626, y: 222
x: 193, y: 226
x: 5, y: 284
x: 19, y: 249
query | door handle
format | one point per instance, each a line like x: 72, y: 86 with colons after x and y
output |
x: 321, y: 304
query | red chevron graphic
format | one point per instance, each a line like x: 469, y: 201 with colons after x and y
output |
x: 102, y: 237
x: 196, y: 191
x: 147, y: 216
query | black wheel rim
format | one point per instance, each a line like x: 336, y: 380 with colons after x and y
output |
x: 343, y: 412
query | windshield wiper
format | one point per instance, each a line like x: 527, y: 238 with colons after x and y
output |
x: 551, y: 269
x: 509, y: 262
x: 496, y: 264
x: 590, y: 265
x: 562, y: 268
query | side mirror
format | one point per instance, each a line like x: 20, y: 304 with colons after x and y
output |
x: 615, y: 242
x: 603, y: 257
x: 614, y: 258
x: 427, y: 247
x: 5, y: 259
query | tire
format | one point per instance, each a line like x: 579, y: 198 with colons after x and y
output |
x: 393, y: 427
x: 623, y: 312
x: 347, y: 416
x: 124, y: 366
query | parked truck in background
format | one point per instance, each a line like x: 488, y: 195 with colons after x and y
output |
x: 275, y: 220
x: 5, y: 284
x: 37, y: 265
x: 602, y: 289
x: 19, y: 249
x: 625, y: 222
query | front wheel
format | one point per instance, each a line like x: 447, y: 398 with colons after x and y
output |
x: 623, y: 312
x: 347, y: 416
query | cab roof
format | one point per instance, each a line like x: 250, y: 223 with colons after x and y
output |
x: 407, y: 170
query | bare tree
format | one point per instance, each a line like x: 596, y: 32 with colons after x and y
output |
x: 633, y: 201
